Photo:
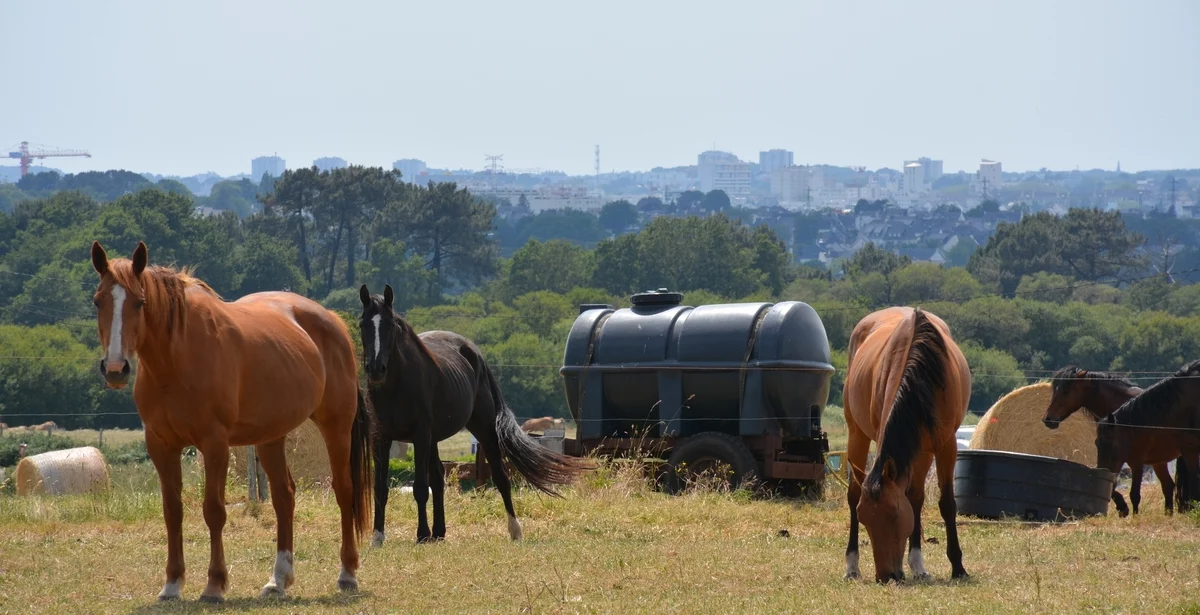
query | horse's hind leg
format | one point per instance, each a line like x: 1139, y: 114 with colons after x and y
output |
x: 949, y: 508
x: 422, y: 442
x: 489, y: 441
x: 283, y: 498
x: 1168, y: 485
x: 383, y: 449
x: 916, y: 497
x: 437, y: 484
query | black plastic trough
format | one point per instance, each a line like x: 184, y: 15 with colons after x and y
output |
x: 999, y: 484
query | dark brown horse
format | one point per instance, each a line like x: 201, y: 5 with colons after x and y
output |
x: 213, y: 374
x: 1101, y: 393
x: 428, y: 387
x: 907, y: 388
x: 1162, y: 422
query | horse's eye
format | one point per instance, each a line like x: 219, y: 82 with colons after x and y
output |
x: 139, y: 304
x: 96, y: 302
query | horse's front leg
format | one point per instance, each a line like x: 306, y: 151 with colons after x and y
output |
x: 422, y: 440
x: 1168, y: 485
x: 916, y: 499
x: 216, y: 468
x: 383, y: 449
x: 170, y: 478
x: 856, y: 456
x: 1136, y: 471
x: 949, y: 508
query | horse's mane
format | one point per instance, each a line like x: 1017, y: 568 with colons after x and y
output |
x: 1157, y: 400
x: 163, y: 289
x: 913, y: 409
x: 1066, y: 375
x: 407, y: 332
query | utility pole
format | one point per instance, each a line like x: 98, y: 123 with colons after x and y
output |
x: 1172, y: 194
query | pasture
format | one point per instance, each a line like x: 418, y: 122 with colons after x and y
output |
x: 610, y: 545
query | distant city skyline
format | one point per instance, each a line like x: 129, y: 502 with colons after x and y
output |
x: 1062, y: 85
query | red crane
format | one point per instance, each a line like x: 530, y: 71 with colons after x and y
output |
x: 27, y: 155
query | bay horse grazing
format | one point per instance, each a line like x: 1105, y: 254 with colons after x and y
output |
x: 1101, y: 393
x: 428, y: 387
x: 213, y: 374
x: 1161, y: 423
x: 907, y: 388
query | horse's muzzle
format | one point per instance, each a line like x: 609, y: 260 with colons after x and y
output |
x: 115, y: 378
x: 1051, y: 423
x: 376, y: 375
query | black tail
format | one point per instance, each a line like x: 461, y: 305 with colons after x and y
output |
x: 361, y: 472
x: 541, y: 466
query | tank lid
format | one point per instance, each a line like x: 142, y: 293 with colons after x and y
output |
x: 661, y: 296
x: 583, y: 307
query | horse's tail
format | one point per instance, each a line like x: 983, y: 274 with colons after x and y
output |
x: 361, y: 472
x: 541, y: 466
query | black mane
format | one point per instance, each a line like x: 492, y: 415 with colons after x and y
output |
x: 913, y: 409
x: 1157, y: 400
x: 1070, y: 373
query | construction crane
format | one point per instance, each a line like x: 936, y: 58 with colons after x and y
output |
x: 27, y: 155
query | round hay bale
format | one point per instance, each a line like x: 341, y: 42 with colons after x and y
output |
x: 306, y: 456
x: 73, y: 470
x: 1014, y: 424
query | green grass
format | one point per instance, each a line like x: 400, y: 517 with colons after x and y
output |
x: 611, y: 545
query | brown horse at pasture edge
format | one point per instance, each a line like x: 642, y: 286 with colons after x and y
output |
x: 907, y: 388
x: 215, y: 374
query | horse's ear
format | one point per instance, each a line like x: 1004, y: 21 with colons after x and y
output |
x: 99, y: 258
x: 387, y: 295
x: 889, y: 469
x: 365, y: 295
x: 140, y: 257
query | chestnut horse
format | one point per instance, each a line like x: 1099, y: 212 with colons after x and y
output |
x: 1101, y: 393
x: 907, y: 388
x: 1161, y: 423
x: 213, y: 375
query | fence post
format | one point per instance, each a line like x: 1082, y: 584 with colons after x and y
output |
x: 252, y: 469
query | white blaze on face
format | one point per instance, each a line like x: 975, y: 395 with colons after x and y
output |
x: 378, y: 320
x: 113, y: 357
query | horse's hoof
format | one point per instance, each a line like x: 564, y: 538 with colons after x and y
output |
x: 347, y: 582
x: 212, y: 599
x: 851, y: 576
x: 167, y: 597
x: 924, y: 576
x: 960, y: 574
x: 424, y: 539
x: 377, y: 539
x: 271, y: 590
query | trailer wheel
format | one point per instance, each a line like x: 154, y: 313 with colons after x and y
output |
x: 704, y: 453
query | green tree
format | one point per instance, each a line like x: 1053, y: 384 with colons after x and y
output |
x: 618, y: 216
x: 619, y: 265
x: 296, y: 197
x: 266, y: 263
x: 556, y: 266
x: 542, y: 310
x: 449, y: 228
x: 715, y: 201
x: 392, y: 263
x: 994, y: 374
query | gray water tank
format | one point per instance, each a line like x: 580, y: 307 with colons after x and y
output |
x: 660, y: 368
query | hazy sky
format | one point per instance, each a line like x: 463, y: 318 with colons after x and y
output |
x: 187, y: 87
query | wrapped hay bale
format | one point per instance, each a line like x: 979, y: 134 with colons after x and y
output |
x: 1014, y: 424
x: 74, y: 470
x: 306, y: 456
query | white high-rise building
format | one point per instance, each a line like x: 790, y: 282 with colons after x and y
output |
x: 914, y: 178
x: 273, y: 165
x: 771, y: 160
x: 990, y: 176
x: 723, y: 171
x: 793, y: 184
x: 933, y: 168
x: 330, y: 163
x: 410, y: 169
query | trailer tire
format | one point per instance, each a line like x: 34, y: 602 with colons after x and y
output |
x: 704, y: 452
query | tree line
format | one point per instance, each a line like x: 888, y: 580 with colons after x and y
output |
x: 1041, y: 293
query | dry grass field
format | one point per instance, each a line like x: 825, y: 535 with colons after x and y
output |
x: 611, y: 545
